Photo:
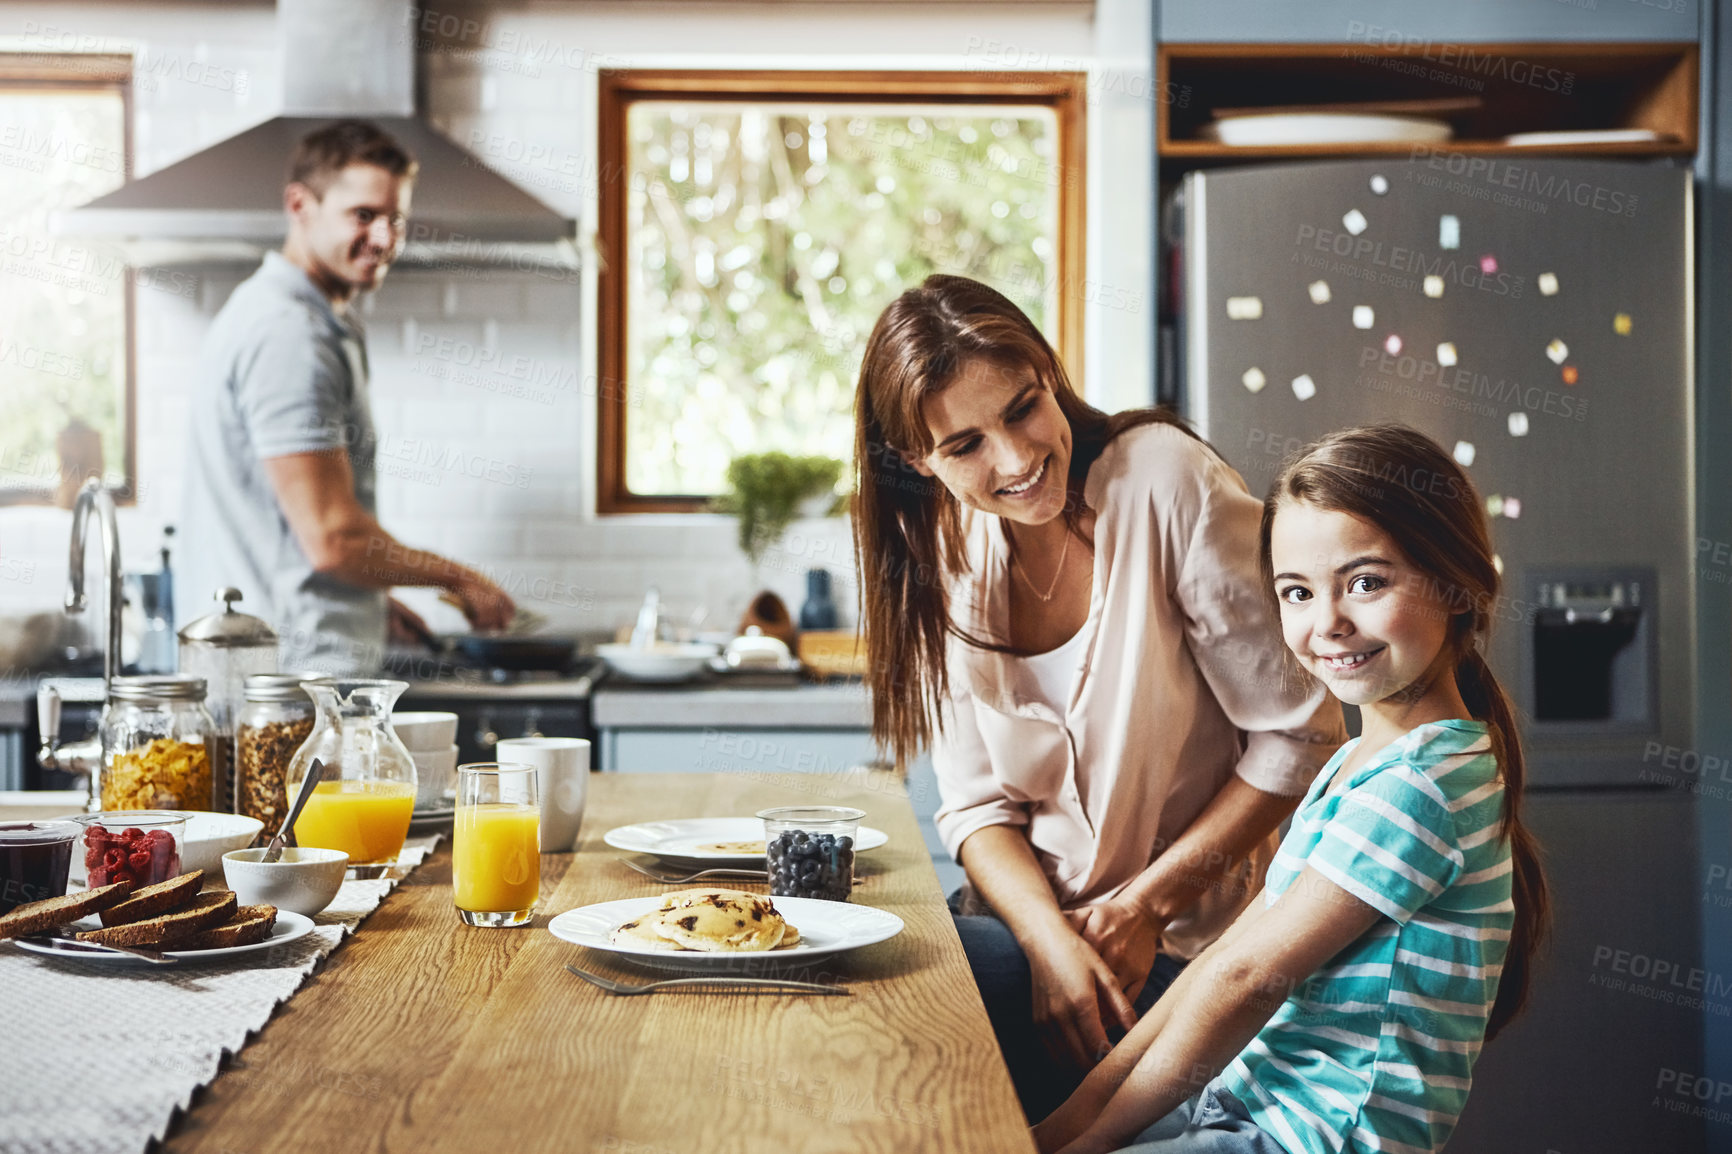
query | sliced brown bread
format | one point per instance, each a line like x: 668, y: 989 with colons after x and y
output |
x: 157, y: 899
x: 164, y: 930
x: 35, y: 917
x: 250, y: 924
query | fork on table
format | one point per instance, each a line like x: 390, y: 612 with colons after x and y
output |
x: 720, y: 982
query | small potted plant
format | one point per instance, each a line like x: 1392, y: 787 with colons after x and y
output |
x: 766, y: 491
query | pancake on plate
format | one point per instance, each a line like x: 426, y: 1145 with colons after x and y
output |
x: 709, y: 920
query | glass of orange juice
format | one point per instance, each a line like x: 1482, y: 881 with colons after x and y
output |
x: 496, y: 844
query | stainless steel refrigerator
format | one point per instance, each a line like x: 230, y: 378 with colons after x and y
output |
x: 1534, y: 316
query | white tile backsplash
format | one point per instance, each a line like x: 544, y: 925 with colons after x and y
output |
x: 486, y: 368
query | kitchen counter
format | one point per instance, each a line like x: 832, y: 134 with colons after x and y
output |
x: 708, y: 704
x: 559, y: 689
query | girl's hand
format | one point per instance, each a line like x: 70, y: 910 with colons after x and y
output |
x: 1125, y: 939
x: 1072, y: 988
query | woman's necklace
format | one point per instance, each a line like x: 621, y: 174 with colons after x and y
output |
x: 1016, y: 561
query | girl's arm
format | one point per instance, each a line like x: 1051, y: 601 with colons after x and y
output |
x: 1125, y: 929
x: 1072, y: 985
x: 1080, y: 1110
x: 1229, y: 994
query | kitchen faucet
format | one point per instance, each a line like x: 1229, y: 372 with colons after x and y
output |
x: 84, y: 757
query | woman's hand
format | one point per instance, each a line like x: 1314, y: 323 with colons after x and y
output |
x: 1075, y: 993
x: 1124, y: 937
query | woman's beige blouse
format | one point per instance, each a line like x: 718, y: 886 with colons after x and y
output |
x: 1184, y: 682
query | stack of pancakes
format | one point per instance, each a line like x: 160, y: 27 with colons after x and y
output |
x: 711, y: 921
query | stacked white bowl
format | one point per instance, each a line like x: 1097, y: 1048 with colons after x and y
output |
x: 431, y: 739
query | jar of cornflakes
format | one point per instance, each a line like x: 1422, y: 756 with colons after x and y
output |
x: 157, y: 744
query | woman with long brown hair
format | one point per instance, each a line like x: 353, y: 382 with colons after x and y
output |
x: 1346, y: 1008
x: 1064, y: 606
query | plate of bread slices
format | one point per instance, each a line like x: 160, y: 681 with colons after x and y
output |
x: 710, y: 929
x: 173, y: 919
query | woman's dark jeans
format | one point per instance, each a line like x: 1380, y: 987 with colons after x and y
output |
x: 1001, y: 971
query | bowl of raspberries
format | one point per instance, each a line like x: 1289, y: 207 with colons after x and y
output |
x: 138, y: 845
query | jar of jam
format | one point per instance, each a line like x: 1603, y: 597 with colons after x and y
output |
x: 35, y: 860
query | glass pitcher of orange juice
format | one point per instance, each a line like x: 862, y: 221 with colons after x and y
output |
x: 364, y: 802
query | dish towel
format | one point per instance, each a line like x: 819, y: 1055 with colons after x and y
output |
x: 100, y: 1055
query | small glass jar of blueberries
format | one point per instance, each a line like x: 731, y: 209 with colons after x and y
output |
x: 810, y: 850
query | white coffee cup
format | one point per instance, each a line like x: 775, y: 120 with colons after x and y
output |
x: 563, y: 765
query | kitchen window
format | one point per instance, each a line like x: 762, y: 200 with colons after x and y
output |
x: 754, y: 225
x: 65, y: 304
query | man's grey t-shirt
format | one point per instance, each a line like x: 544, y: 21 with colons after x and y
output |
x: 280, y: 373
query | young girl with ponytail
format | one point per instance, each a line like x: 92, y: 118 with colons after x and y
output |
x: 1343, y: 1011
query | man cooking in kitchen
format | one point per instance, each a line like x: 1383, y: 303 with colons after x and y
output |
x: 279, y: 498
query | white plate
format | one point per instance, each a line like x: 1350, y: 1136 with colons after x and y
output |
x: 290, y: 927
x: 1277, y: 128
x: 679, y: 840
x: 665, y: 662
x: 210, y: 835
x: 826, y: 928
x: 1583, y: 136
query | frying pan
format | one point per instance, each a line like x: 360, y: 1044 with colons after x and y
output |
x: 499, y: 649
x: 494, y: 650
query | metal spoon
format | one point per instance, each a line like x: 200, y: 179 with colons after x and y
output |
x: 274, y: 851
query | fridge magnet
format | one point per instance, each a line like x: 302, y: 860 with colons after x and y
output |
x: 1465, y: 453
x: 1319, y: 290
x: 1254, y: 379
x: 1363, y: 316
x: 1494, y: 506
x: 1570, y: 374
x: 1355, y: 222
x: 1512, y: 507
x: 1548, y: 284
x: 1488, y: 264
x: 1304, y: 387
x: 1433, y: 287
x: 1557, y: 351
x: 1446, y: 354
x: 1518, y: 424
x: 1392, y: 345
x: 1244, y: 308
x: 1448, y: 231
x: 1380, y: 184
x: 1621, y: 324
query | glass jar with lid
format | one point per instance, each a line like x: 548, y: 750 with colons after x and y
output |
x: 225, y: 648
x: 274, y: 721
x: 157, y: 740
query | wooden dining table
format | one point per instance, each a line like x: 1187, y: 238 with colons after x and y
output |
x: 423, y: 1034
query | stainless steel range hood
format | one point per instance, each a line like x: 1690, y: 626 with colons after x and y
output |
x: 341, y: 58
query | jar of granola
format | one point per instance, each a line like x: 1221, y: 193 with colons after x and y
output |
x: 272, y: 723
x: 157, y: 744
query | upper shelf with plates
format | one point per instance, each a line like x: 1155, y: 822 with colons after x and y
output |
x: 1253, y: 101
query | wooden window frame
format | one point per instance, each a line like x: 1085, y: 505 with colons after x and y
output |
x: 1064, y: 92
x: 89, y: 72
